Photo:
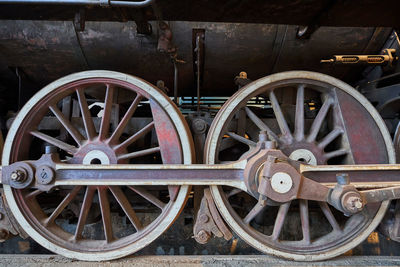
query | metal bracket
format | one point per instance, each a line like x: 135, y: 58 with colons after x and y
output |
x: 198, y: 37
x: 8, y: 225
x: 209, y: 222
x: 388, y: 58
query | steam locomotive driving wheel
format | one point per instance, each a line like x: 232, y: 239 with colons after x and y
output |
x: 312, y: 118
x: 98, y: 117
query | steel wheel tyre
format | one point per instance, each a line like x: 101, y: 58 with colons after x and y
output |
x: 42, y: 222
x: 321, y: 137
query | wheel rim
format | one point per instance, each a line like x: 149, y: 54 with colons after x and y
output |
x: 295, y: 141
x: 100, y: 146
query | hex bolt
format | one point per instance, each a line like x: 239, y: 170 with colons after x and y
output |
x: 353, y: 204
x: 203, y: 218
x: 270, y: 144
x: 18, y: 176
x: 243, y: 75
x: 203, y: 236
x: 343, y: 178
x: 262, y: 200
x: 262, y: 137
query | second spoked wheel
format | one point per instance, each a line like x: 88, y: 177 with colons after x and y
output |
x: 98, y: 117
x: 315, y: 119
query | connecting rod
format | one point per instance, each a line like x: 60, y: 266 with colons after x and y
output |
x: 266, y: 173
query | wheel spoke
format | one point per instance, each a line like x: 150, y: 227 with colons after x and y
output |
x: 76, y: 135
x: 283, y: 126
x: 254, y: 212
x: 55, y: 142
x: 330, y: 137
x: 242, y: 139
x: 105, y: 120
x: 299, y: 120
x: 140, y: 153
x: 319, y: 119
x: 227, y: 143
x: 305, y: 222
x: 241, y: 122
x: 64, y: 203
x: 126, y: 206
x: 105, y: 213
x: 136, y: 136
x: 148, y: 196
x: 87, y: 203
x: 86, y: 117
x: 336, y: 153
x: 280, y: 220
x: 122, y: 124
x: 233, y: 192
x: 260, y: 124
x: 329, y: 216
x: 33, y: 194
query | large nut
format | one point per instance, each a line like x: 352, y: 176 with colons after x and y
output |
x: 352, y: 202
x: 18, y: 176
x: 202, y: 237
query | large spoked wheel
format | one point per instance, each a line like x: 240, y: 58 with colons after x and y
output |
x: 313, y: 118
x: 98, y: 117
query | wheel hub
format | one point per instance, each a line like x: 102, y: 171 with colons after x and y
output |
x: 304, y: 155
x: 305, y: 152
x: 95, y: 152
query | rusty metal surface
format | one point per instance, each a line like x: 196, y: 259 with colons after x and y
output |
x: 104, y: 177
x: 307, y: 241
x: 305, y: 12
x: 237, y: 47
x: 209, y: 222
x: 8, y: 226
x: 105, y: 144
x: 372, y: 173
x: 309, y: 182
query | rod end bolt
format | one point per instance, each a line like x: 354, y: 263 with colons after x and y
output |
x: 18, y: 176
x: 352, y: 202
